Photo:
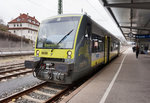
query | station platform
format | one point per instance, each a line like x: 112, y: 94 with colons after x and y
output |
x: 125, y: 80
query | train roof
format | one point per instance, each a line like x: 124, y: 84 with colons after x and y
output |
x: 68, y: 15
x: 63, y: 15
x: 103, y: 29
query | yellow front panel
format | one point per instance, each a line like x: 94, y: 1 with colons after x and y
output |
x: 57, y: 53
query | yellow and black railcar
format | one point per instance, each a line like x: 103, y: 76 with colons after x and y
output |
x: 69, y: 47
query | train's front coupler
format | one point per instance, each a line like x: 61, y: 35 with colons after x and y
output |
x: 53, y: 71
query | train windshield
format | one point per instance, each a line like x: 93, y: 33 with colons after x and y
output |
x: 58, y: 33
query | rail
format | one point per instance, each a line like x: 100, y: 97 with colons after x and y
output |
x: 13, y: 70
x: 55, y: 91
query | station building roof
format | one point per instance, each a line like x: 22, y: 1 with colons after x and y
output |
x: 25, y: 18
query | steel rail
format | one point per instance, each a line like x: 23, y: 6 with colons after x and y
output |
x: 15, y: 74
x: 11, y: 70
x: 19, y: 94
x: 10, y: 66
x: 32, y: 89
x: 59, y: 94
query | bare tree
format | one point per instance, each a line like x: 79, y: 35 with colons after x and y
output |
x: 3, y: 27
x: 1, y: 21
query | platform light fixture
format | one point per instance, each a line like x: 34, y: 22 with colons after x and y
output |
x: 130, y: 34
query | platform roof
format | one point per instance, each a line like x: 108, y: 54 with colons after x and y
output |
x: 131, y: 16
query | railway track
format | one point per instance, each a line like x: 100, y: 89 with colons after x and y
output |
x: 13, y: 70
x: 9, y: 66
x: 41, y: 93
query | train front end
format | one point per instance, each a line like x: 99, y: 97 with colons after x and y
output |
x: 55, y: 49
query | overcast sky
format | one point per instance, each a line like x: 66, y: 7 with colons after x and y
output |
x: 42, y: 9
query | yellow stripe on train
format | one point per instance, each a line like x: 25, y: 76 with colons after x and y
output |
x: 98, y: 61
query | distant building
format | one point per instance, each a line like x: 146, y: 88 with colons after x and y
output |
x: 25, y: 26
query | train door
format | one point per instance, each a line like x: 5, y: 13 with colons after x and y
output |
x: 118, y: 48
x: 107, y: 49
x: 88, y: 33
x: 108, y: 45
x: 105, y: 53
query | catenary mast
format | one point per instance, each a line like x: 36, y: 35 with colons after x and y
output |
x: 60, y: 7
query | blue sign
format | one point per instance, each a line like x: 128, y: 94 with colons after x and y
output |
x: 142, y: 36
x: 97, y: 55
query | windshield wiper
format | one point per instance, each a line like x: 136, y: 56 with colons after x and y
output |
x: 62, y: 39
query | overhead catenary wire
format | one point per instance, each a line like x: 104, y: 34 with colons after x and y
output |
x: 93, y: 6
x: 40, y: 5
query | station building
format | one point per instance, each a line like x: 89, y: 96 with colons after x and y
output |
x: 25, y: 26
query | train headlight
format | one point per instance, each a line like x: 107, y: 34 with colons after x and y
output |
x: 69, y: 53
x: 69, y: 57
x: 37, y: 53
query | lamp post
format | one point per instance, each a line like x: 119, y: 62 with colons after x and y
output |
x: 21, y: 37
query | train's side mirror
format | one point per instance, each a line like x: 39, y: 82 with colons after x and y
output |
x: 86, y: 35
x: 87, y: 31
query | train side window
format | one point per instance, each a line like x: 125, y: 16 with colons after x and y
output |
x: 94, y: 43
x: 111, y: 49
x: 97, y: 43
x: 101, y: 44
x: 114, y: 46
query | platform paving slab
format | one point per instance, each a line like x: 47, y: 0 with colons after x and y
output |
x: 132, y: 84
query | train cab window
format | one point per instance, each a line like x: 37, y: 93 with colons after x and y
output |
x: 58, y: 33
